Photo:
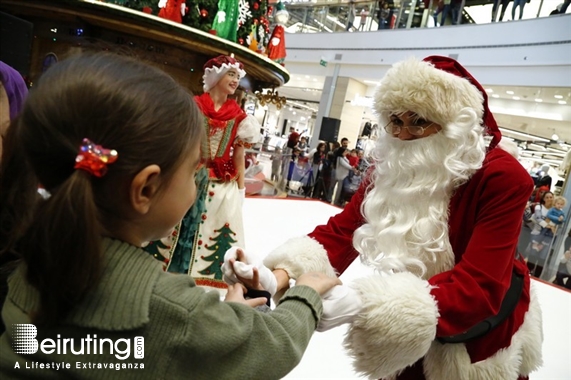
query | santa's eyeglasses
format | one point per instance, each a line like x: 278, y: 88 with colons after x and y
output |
x: 394, y: 127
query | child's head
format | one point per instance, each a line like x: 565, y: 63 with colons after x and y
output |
x: 120, y: 104
x: 559, y: 202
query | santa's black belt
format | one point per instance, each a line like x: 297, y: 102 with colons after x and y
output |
x: 509, y: 304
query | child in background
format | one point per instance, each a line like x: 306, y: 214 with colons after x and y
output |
x: 353, y: 158
x: 554, y: 218
x: 116, y: 143
x: 364, y: 14
x: 276, y: 164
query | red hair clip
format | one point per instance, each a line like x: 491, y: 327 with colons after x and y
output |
x: 94, y: 158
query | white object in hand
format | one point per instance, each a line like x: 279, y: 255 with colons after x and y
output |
x: 341, y: 305
x: 246, y: 270
x: 182, y: 9
x: 162, y: 3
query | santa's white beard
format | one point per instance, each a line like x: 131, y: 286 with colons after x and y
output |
x: 407, y: 208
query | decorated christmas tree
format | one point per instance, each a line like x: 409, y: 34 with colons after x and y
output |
x: 253, y: 24
x: 201, y: 14
x: 223, y: 243
x: 249, y: 27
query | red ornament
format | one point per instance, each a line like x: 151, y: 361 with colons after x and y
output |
x: 148, y: 10
x: 241, y: 41
x: 203, y: 13
x: 256, y: 6
x: 270, y: 10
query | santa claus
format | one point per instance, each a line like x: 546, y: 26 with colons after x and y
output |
x: 439, y: 218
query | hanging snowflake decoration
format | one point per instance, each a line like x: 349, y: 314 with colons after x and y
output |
x: 245, y: 13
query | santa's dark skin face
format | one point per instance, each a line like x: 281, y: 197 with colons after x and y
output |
x: 409, y: 126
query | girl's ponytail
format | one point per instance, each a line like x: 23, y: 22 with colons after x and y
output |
x: 62, y: 248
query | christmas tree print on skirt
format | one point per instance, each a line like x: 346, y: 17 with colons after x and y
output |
x: 223, y: 243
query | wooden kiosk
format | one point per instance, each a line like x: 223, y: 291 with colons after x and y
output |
x: 37, y: 33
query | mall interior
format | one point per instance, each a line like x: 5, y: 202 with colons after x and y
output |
x: 323, y: 89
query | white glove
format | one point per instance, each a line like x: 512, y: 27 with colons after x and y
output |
x: 246, y: 270
x: 182, y: 9
x: 275, y: 41
x: 221, y: 16
x: 340, y: 305
x: 162, y: 3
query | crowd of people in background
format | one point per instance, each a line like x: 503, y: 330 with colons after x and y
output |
x: 330, y: 172
x: 444, y: 12
x: 543, y: 220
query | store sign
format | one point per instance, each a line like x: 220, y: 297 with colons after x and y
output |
x: 362, y: 101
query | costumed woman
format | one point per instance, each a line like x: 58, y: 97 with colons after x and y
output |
x: 215, y: 223
x: 438, y: 216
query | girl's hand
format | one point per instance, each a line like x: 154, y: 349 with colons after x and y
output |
x: 236, y: 294
x: 254, y: 282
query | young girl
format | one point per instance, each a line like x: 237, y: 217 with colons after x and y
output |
x: 116, y: 144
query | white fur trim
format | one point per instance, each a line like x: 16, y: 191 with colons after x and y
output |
x: 213, y: 74
x: 433, y: 94
x: 397, y: 326
x: 510, y: 147
x: 298, y: 256
x: 249, y: 130
x: 451, y: 361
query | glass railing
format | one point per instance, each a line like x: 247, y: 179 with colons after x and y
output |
x: 336, y: 16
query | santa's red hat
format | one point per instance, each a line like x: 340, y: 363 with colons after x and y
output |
x: 437, y: 89
x: 215, y: 68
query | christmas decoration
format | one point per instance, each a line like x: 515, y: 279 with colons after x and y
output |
x: 276, y: 47
x: 156, y: 249
x: 223, y: 243
x: 253, y: 16
x: 172, y: 9
x: 226, y: 21
x: 251, y: 40
x: 229, y: 19
x: 271, y: 97
x: 245, y: 13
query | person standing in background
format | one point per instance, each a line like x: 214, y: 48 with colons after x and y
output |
x: 521, y: 4
x: 351, y: 14
x: 13, y: 92
x: 364, y: 14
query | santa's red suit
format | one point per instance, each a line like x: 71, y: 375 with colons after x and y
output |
x: 395, y: 335
x: 172, y: 10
